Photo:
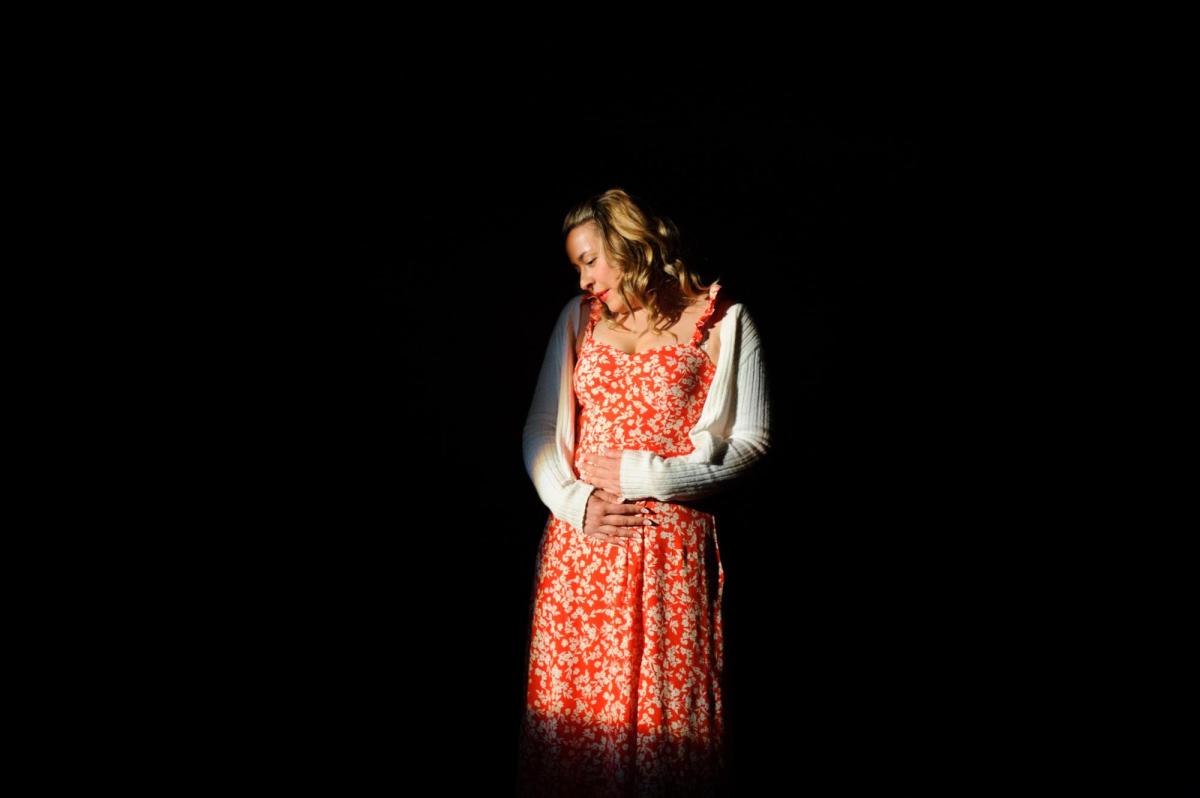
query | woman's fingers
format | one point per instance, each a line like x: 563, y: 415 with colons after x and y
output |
x: 613, y: 535
x: 609, y: 532
x: 603, y: 469
x: 600, y: 481
x: 629, y: 515
x: 626, y: 521
x: 615, y: 517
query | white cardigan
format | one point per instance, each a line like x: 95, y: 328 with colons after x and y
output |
x: 731, y: 434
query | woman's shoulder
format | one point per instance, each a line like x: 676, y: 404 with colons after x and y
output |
x: 568, y: 315
x: 580, y: 309
x: 722, y: 300
x: 725, y: 298
x: 573, y: 306
x: 731, y: 310
x: 584, y: 303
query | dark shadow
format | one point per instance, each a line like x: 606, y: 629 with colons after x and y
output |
x: 564, y: 755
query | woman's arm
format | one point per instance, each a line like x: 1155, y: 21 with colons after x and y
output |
x: 555, y: 483
x: 719, y: 458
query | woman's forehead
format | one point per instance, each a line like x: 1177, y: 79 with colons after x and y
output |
x: 581, y: 241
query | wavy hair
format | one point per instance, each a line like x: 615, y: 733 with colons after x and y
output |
x: 645, y: 250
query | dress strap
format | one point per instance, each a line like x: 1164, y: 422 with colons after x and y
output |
x: 702, y: 322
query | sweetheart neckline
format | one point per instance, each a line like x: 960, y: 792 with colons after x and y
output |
x: 707, y: 359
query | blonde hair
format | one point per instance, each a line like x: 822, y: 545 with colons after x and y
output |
x: 645, y: 250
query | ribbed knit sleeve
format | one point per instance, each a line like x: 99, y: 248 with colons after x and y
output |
x: 734, y: 431
x: 548, y: 438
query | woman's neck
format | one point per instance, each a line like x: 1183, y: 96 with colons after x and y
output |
x: 637, y: 320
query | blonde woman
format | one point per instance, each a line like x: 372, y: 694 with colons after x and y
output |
x: 652, y: 394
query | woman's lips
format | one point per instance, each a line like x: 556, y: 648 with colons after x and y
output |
x: 602, y: 294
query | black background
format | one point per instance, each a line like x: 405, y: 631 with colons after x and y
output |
x: 378, y: 607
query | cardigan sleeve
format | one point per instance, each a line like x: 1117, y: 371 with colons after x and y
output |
x: 546, y: 464
x: 737, y: 438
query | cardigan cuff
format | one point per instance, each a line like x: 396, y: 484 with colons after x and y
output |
x: 574, y: 502
x: 638, y: 469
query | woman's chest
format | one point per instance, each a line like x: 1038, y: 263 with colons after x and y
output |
x: 666, y: 376
x: 636, y: 343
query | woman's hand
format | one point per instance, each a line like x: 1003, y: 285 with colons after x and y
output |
x: 603, y: 470
x: 607, y: 519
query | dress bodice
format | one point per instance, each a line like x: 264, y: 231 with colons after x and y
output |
x: 646, y: 400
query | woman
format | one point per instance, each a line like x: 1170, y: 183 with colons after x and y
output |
x: 652, y: 394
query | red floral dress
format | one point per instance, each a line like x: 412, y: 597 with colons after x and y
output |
x: 625, y: 649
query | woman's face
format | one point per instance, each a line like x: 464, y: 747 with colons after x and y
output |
x: 585, y: 250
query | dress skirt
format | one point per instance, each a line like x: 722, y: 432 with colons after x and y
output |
x: 623, y: 696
